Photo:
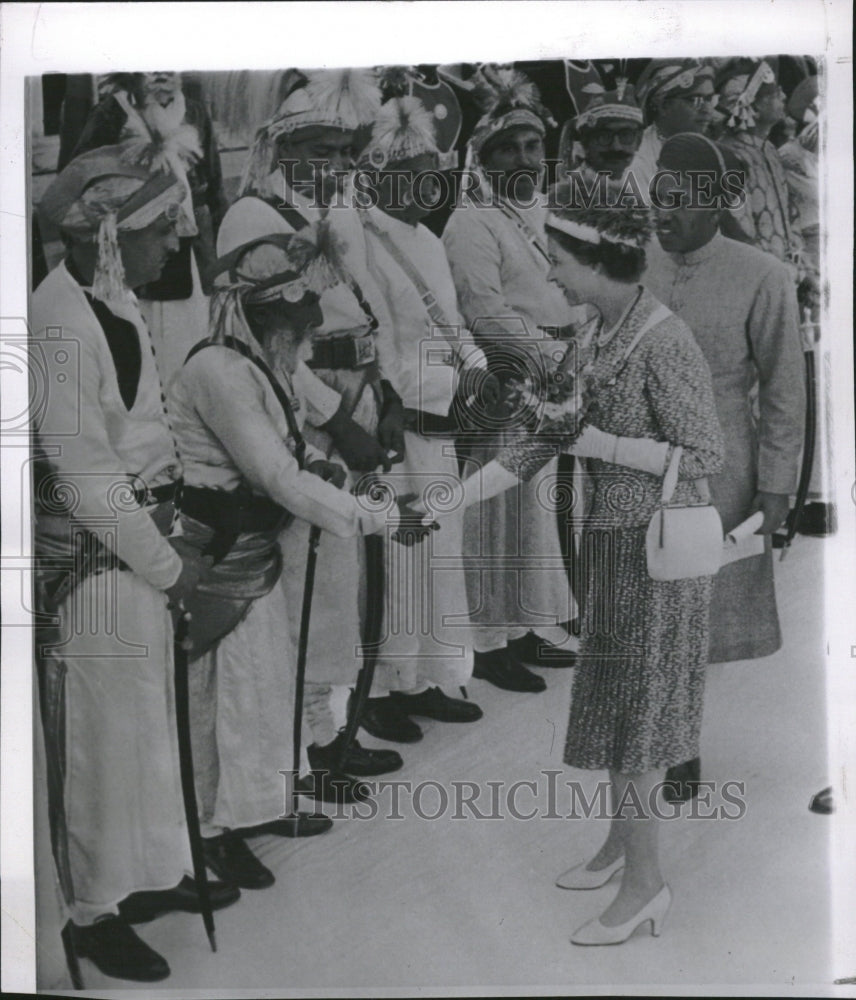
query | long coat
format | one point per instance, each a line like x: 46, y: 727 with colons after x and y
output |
x: 110, y: 728
x: 741, y: 305
x: 499, y: 262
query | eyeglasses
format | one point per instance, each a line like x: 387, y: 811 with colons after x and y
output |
x: 605, y: 137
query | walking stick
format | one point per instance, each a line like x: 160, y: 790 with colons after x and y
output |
x: 795, y: 515
x: 371, y: 640
x: 185, y: 759
x: 302, y: 645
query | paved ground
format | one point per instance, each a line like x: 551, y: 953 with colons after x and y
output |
x: 465, y: 905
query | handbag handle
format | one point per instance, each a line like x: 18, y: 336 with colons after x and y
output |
x: 670, y: 479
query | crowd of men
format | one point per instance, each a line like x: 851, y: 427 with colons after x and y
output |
x: 249, y: 373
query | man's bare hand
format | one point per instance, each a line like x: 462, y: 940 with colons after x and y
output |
x: 774, y: 507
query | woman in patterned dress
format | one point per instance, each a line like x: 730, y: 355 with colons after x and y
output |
x: 637, y: 699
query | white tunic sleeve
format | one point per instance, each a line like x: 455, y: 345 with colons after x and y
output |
x: 238, y: 406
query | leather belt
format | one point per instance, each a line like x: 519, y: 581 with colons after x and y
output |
x: 158, y: 494
x: 235, y: 513
x: 343, y: 350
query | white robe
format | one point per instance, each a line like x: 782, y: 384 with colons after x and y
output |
x: 123, y: 804
x: 427, y: 635
x: 335, y: 632
x: 232, y: 430
x: 505, y: 296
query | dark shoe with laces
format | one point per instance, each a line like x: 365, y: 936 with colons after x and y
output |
x: 534, y: 651
x: 115, y: 949
x: 333, y: 786
x: 436, y: 704
x: 384, y: 719
x: 682, y: 780
x: 141, y: 907
x: 231, y: 860
x: 356, y: 760
x: 502, y: 670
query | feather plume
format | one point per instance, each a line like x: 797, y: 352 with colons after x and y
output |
x: 157, y: 153
x: 404, y: 128
x: 394, y: 81
x: 352, y: 93
x: 500, y: 88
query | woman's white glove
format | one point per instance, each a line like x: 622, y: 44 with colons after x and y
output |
x: 644, y: 454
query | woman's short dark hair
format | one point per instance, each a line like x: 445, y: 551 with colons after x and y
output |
x: 619, y: 261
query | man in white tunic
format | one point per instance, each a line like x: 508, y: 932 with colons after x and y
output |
x: 248, y: 471
x: 427, y: 643
x: 315, y: 125
x: 497, y: 250
x: 104, y: 506
x: 151, y: 112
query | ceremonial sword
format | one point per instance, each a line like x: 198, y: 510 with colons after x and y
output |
x: 185, y: 762
x: 795, y: 515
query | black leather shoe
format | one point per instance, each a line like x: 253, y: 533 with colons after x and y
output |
x: 115, y: 949
x: 358, y: 759
x: 333, y: 786
x: 537, y: 652
x: 384, y: 719
x: 681, y: 783
x: 231, y: 860
x: 503, y: 671
x: 436, y: 704
x: 301, y: 825
x: 141, y: 907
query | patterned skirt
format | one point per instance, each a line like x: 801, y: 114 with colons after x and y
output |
x: 639, y: 686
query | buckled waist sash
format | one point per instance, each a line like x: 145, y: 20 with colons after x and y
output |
x: 234, y: 513
x: 350, y: 350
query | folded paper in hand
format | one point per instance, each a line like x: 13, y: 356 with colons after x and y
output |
x: 742, y: 542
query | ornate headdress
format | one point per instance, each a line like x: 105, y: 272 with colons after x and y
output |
x: 669, y: 78
x: 345, y: 99
x: 616, y: 104
x: 403, y: 129
x: 279, y: 266
x: 610, y: 222
x: 438, y: 99
x: 104, y: 192
x: 509, y: 99
x: 741, y: 84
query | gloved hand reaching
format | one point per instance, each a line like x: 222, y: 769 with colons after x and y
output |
x: 358, y: 448
x: 330, y: 472
x: 390, y: 429
x: 644, y: 454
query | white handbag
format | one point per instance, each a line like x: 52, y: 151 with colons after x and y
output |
x: 683, y: 541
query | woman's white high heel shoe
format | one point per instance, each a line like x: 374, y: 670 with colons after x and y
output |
x: 579, y: 877
x: 594, y: 932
